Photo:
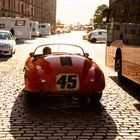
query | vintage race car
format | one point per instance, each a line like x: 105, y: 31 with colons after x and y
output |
x: 66, y: 71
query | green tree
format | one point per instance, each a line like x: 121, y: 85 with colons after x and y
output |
x: 97, y: 19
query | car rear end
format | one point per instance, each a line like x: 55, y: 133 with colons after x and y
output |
x: 62, y: 74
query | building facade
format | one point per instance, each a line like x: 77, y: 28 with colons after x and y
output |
x: 125, y: 10
x: 39, y: 10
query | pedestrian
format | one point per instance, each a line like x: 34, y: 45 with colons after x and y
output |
x: 12, y: 31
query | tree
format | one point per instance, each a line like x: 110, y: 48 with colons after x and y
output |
x: 97, y: 20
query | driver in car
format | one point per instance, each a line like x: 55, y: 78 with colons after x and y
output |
x: 46, y: 51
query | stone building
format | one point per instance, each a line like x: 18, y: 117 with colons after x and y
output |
x: 38, y: 10
x: 125, y: 10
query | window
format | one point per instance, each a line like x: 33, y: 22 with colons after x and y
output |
x: 103, y: 33
x: 20, y: 23
x: 2, y: 26
x: 42, y: 26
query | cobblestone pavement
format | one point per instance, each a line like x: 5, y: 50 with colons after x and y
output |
x: 117, y: 117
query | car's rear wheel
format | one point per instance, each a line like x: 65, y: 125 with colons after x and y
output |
x: 87, y: 99
x: 11, y: 53
x: 93, y: 40
x: 14, y: 51
x: 95, y: 97
x: 31, y: 97
x: 118, y: 66
x: 84, y: 100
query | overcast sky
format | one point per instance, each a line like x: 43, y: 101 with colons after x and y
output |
x: 74, y: 11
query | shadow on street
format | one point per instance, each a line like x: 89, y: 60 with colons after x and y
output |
x: 60, y: 117
x: 130, y: 87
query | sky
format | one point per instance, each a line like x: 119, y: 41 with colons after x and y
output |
x: 77, y: 11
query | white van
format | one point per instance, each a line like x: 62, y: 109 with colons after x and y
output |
x: 21, y: 26
x: 34, y: 28
x: 44, y: 29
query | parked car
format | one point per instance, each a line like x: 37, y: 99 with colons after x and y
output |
x: 59, y: 31
x: 66, y: 71
x: 96, y: 35
x: 7, y: 43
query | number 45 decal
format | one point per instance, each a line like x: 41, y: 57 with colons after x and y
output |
x: 67, y: 82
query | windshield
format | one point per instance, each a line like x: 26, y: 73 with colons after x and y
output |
x: 5, y: 36
x: 60, y: 49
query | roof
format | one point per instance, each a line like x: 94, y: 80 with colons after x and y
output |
x: 4, y: 31
x: 100, y: 30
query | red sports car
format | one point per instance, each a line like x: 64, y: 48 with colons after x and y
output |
x: 67, y: 70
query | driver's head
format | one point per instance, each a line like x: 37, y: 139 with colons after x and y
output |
x: 46, y: 50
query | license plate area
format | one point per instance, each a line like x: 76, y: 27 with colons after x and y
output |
x: 67, y: 82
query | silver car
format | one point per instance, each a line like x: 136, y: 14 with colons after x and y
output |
x: 7, y: 43
x: 97, y: 35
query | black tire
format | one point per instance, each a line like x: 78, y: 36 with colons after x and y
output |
x: 118, y: 66
x: 32, y: 98
x: 14, y: 51
x: 84, y: 100
x: 93, y: 40
x: 95, y: 98
x: 11, y: 53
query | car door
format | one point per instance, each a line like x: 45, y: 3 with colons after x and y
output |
x: 102, y: 35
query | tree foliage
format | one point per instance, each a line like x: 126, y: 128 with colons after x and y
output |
x: 98, y: 14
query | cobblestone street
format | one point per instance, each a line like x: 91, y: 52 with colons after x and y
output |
x: 117, y: 117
